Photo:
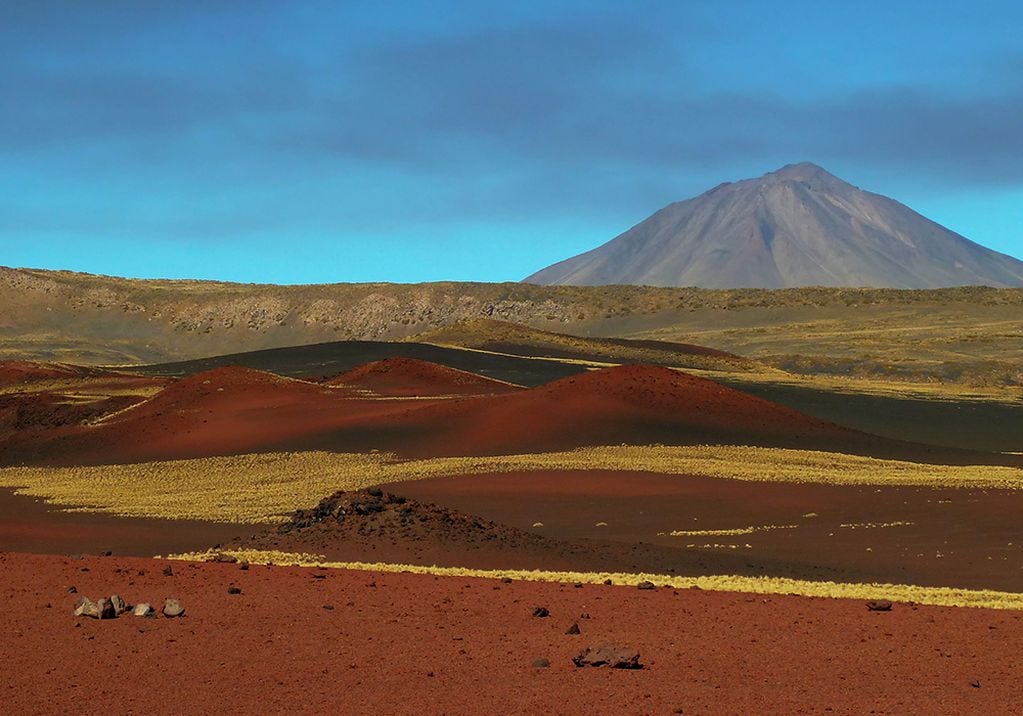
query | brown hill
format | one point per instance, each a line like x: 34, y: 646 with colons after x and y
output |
x: 409, y: 377
x: 518, y: 339
x: 798, y: 226
x: 630, y: 404
x: 233, y: 411
x: 219, y: 412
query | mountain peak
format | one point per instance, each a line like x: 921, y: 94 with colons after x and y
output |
x: 796, y: 226
x: 803, y: 171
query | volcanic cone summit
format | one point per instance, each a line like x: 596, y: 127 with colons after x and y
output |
x: 797, y: 226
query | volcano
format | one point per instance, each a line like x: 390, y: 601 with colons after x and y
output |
x: 798, y: 226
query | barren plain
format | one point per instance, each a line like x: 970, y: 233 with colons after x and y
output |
x: 441, y: 485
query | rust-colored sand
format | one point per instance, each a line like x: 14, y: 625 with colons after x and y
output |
x: 414, y: 644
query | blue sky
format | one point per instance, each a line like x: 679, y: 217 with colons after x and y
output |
x: 300, y: 142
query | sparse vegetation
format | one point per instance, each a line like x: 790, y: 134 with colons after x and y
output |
x: 264, y: 487
x: 943, y: 596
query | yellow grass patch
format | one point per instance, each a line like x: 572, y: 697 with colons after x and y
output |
x: 730, y: 532
x: 942, y: 596
x: 263, y: 487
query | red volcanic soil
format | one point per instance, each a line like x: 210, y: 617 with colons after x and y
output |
x: 30, y: 525
x: 17, y: 372
x: 376, y: 526
x: 44, y: 411
x: 849, y: 533
x: 410, y: 377
x: 415, y: 644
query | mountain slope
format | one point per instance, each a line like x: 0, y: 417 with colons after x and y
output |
x: 798, y: 226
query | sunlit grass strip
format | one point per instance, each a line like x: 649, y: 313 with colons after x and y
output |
x: 939, y: 596
x: 727, y: 533
x: 245, y: 489
x: 263, y: 487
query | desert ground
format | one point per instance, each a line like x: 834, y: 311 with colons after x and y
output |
x: 345, y: 522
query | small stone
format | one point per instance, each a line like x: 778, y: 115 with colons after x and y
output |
x: 608, y: 582
x: 106, y: 553
x: 574, y: 629
x: 72, y: 590
x: 144, y: 610
x: 85, y: 607
x: 234, y: 590
x: 646, y: 585
x: 578, y: 585
x: 243, y: 566
x: 167, y: 571
x: 173, y: 608
x: 106, y: 609
x: 584, y: 615
x: 119, y: 605
x: 541, y: 664
x: 507, y: 580
x: 541, y: 612
x: 329, y: 607
x: 975, y: 683
x: 879, y: 605
x: 224, y: 558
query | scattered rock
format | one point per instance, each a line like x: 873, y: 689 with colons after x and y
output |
x: 319, y: 576
x: 120, y: 606
x: 578, y: 585
x: 574, y: 629
x: 106, y: 609
x: 244, y: 566
x: 541, y: 612
x: 106, y: 553
x: 608, y: 582
x: 144, y: 610
x: 173, y: 608
x: 223, y: 558
x: 375, y: 492
x: 646, y: 585
x: 507, y: 580
x: 584, y: 615
x: 879, y: 605
x: 234, y: 590
x: 975, y: 683
x: 85, y: 607
x: 613, y: 657
x: 72, y: 590
x: 541, y: 664
x: 167, y: 571
x: 329, y: 607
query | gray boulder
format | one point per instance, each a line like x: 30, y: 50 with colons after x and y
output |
x: 173, y: 608
x: 610, y: 656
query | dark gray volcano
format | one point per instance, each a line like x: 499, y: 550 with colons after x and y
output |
x: 798, y: 226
